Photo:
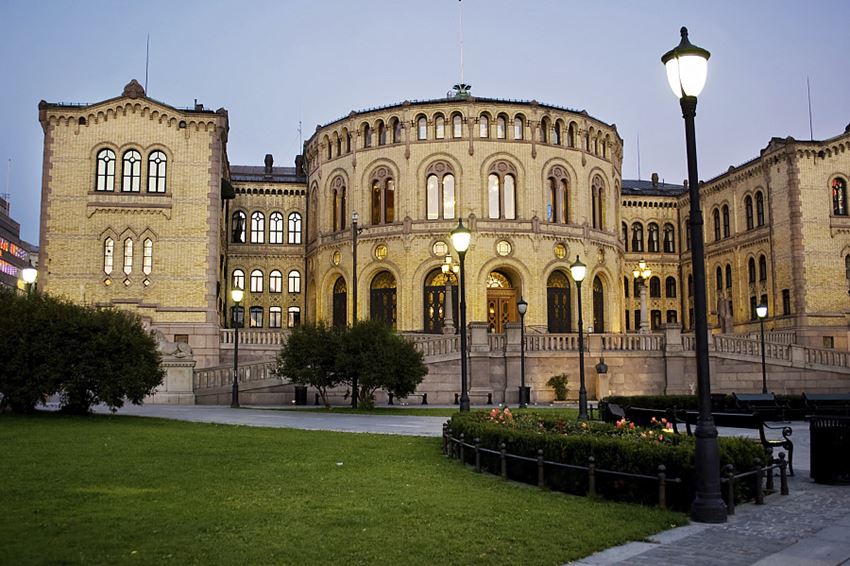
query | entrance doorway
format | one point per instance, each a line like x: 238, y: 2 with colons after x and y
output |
x: 340, y: 303
x: 382, y: 304
x: 501, y: 301
x: 437, y: 285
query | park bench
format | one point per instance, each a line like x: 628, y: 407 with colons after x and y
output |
x: 827, y: 403
x: 422, y: 396
x: 644, y: 417
x: 764, y: 404
x: 611, y: 412
x: 489, y: 397
x: 751, y: 421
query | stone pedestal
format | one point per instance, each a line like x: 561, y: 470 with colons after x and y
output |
x: 176, y: 388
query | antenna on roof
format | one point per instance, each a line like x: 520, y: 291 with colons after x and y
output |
x: 460, y: 2
x: 147, y: 60
x: 300, y: 142
x: 7, y: 194
x: 809, y: 92
x: 638, y: 155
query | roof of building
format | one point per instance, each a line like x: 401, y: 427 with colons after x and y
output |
x: 259, y: 174
x: 654, y: 188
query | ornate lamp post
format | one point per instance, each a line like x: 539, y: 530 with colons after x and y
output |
x: 642, y: 274
x: 29, y: 275
x: 448, y: 318
x: 687, y: 67
x: 236, y: 320
x: 355, y: 231
x: 761, y: 312
x: 579, y: 272
x: 522, y: 308
x: 461, y: 237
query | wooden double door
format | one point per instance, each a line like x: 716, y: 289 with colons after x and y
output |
x: 501, y: 308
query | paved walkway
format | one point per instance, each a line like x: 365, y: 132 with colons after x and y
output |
x: 809, y: 527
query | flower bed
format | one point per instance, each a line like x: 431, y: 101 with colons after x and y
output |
x: 621, y: 447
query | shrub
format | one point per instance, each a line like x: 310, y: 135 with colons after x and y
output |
x: 309, y: 358
x: 559, y: 384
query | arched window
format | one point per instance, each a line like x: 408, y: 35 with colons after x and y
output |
x: 519, y: 127
x: 382, y: 133
x: 147, y: 256
x: 559, y: 306
x: 128, y: 256
x: 598, y: 305
x: 439, y: 127
x: 275, y: 281
x: 238, y: 279
x: 256, y: 320
x: 751, y: 270
x: 716, y: 217
x: 653, y: 237
x: 274, y: 317
x: 571, y: 135
x: 655, y: 287
x: 275, y: 228
x: 293, y: 317
x: 294, y: 233
x: 501, y: 191
x: 726, y: 230
x: 597, y: 191
x: 762, y: 268
x: 760, y: 208
x: 256, y: 281
x: 748, y: 211
x: 109, y: 255
x: 132, y: 171
x: 501, y: 127
x: 596, y: 145
x: 556, y: 133
x: 383, y: 300
x: 544, y: 130
x: 156, y: 172
x: 670, y: 287
x: 347, y: 141
x: 258, y: 227
x: 558, y: 205
x: 396, y: 127
x: 626, y: 288
x: 338, y: 141
x: 457, y: 126
x: 237, y: 226
x: 637, y: 237
x: 605, y: 149
x: 728, y: 276
x: 383, y: 197
x: 669, y: 239
x: 422, y: 128
x: 440, y: 191
x: 327, y: 142
x: 625, y: 236
x: 367, y: 135
x: 294, y: 279
x: 483, y: 126
x: 105, y: 170
x: 338, y: 195
x: 718, y: 276
x: 839, y: 197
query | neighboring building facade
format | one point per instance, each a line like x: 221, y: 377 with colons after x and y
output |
x: 15, y: 254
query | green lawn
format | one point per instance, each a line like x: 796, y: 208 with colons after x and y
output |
x: 123, y: 490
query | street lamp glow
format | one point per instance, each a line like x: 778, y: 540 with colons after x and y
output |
x: 761, y: 311
x: 461, y: 236
x: 237, y: 295
x: 29, y: 275
x: 578, y: 270
x: 687, y: 67
x: 522, y: 306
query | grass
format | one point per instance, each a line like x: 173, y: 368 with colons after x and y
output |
x: 124, y: 490
x: 415, y: 410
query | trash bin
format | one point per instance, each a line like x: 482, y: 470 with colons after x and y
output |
x: 300, y: 394
x: 524, y: 394
x: 830, y: 448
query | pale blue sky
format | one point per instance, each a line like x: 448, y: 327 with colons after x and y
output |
x: 273, y: 63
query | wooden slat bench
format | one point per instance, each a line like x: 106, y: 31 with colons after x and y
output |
x: 827, y: 403
x: 764, y: 404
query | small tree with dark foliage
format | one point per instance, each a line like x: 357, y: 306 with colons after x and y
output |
x: 309, y: 358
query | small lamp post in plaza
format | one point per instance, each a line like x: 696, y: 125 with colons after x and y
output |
x: 461, y: 237
x: 236, y: 320
x: 29, y: 275
x: 642, y: 273
x: 355, y: 231
x: 687, y: 67
x: 448, y: 317
x: 761, y: 312
x: 522, y: 308
x: 579, y: 272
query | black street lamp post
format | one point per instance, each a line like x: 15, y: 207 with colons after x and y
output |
x: 579, y: 271
x: 687, y: 66
x: 461, y: 237
x: 522, y: 308
x: 355, y: 231
x: 236, y: 321
x: 761, y: 312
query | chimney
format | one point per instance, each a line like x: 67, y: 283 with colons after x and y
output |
x: 269, y: 162
x: 299, y: 165
x: 655, y: 180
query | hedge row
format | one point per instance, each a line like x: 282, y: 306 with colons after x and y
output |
x: 632, y: 451
x: 726, y: 403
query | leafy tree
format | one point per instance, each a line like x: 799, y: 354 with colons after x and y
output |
x: 309, y: 358
x: 379, y: 358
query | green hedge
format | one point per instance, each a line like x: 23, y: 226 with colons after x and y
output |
x: 626, y: 451
x: 689, y: 402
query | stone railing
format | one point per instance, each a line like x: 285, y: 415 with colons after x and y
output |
x: 435, y: 344
x: 775, y: 336
x: 689, y: 342
x: 254, y: 337
x: 724, y: 344
x: 221, y: 376
x: 633, y: 342
x: 497, y: 342
x: 551, y: 342
x: 822, y: 357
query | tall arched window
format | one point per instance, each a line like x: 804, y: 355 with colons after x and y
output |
x: 382, y: 133
x: 669, y: 239
x: 556, y: 133
x: 748, y: 211
x: 637, y: 237
x: 258, y: 227
x: 367, y: 135
x: 275, y: 228
x: 762, y: 268
x: 598, y: 305
x: 238, y: 223
x: 156, y: 172
x: 294, y: 280
x: 597, y: 191
x: 256, y: 317
x: 421, y: 128
x: 544, y: 130
x: 256, y: 281
x: 132, y: 171
x: 440, y: 191
x: 559, y: 306
x: 147, y: 256
x: 760, y: 208
x: 655, y: 287
x: 728, y: 276
x: 519, y: 127
x: 501, y: 127
x: 839, y: 197
x: 571, y: 135
x: 718, y: 277
x: 108, y: 255
x: 439, y: 127
x: 687, y: 233
x: 238, y: 279
x: 383, y: 197
x: 558, y: 205
x: 105, y: 170
x: 347, y: 136
x: 670, y: 287
x: 726, y: 228
x: 483, y: 126
x: 457, y: 126
x: 128, y: 256
x: 716, y: 217
x: 653, y: 237
x: 294, y: 232
x: 751, y: 270
x: 501, y: 191
x: 338, y: 212
x: 396, y: 129
x: 338, y: 141
x: 625, y: 236
x: 275, y: 281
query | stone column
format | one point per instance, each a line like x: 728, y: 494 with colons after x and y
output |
x: 644, y: 323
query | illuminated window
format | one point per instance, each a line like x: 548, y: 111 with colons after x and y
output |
x: 258, y: 227
x: 294, y: 281
x: 256, y: 281
x: 256, y: 320
x: 108, y: 255
x: 440, y: 191
x: 147, y: 256
x: 294, y: 235
x: 293, y: 317
x: 238, y: 279
x: 383, y: 197
x: 558, y: 205
x: 501, y: 191
x: 156, y: 172
x: 275, y: 281
x: 132, y: 170
x: 839, y: 197
x: 105, y: 170
x: 237, y: 227
x: 128, y: 256
x: 274, y: 317
x: 421, y: 128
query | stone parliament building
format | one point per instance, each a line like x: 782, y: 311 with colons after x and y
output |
x: 142, y: 210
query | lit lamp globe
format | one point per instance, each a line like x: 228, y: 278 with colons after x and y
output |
x: 522, y: 306
x: 761, y: 311
x: 687, y: 67
x: 29, y: 274
x: 461, y: 237
x: 237, y: 295
x: 578, y: 270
